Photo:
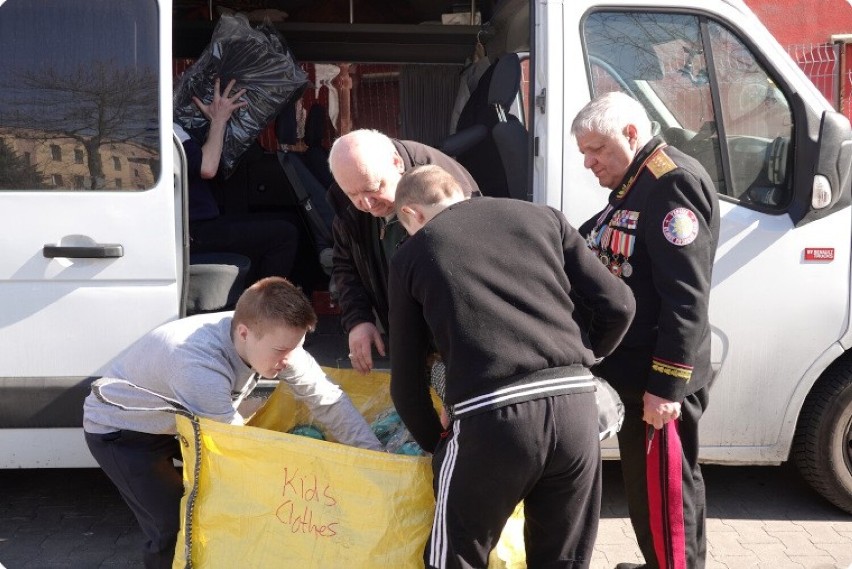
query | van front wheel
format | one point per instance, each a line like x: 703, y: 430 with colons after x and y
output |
x: 822, y: 447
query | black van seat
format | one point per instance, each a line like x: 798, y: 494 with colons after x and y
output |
x: 216, y: 281
x: 491, y: 142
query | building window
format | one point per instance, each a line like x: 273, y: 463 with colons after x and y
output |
x: 116, y: 162
x: 118, y: 183
x: 78, y: 156
x: 79, y: 182
x: 57, y: 180
x: 56, y: 152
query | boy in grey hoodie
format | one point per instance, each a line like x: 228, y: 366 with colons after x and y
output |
x: 208, y: 363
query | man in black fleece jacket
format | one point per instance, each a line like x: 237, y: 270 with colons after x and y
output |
x: 366, y: 166
x: 490, y: 280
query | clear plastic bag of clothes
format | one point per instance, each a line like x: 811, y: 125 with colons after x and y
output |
x: 261, y: 64
x: 369, y: 394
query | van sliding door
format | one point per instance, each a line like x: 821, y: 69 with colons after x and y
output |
x: 88, y: 248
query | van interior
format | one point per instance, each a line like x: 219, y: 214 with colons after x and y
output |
x: 415, y: 69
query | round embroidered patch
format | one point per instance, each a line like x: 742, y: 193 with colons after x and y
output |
x: 680, y: 226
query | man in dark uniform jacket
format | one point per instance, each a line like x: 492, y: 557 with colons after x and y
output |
x: 366, y: 166
x: 518, y: 384
x: 658, y: 233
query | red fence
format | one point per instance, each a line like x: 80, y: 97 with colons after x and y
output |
x: 823, y: 63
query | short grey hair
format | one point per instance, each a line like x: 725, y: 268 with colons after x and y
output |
x: 609, y: 114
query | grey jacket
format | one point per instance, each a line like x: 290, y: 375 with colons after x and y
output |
x: 194, y: 361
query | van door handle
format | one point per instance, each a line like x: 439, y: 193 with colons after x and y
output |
x: 98, y: 251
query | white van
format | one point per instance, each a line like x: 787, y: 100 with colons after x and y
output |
x: 93, y: 253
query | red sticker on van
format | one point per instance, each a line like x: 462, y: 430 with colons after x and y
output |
x: 819, y: 253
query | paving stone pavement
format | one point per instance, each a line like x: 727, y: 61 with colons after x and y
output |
x: 759, y: 517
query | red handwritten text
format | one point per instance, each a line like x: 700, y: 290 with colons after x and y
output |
x: 305, y: 508
x: 302, y: 521
x: 306, y: 487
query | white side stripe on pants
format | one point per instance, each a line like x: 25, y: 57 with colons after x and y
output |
x: 526, y: 391
x: 438, y: 543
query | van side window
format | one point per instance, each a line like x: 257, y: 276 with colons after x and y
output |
x: 662, y: 60
x: 758, y: 123
x: 78, y: 101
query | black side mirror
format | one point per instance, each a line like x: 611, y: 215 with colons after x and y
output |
x: 831, y: 182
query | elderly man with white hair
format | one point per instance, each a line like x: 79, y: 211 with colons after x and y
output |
x: 367, y: 166
x: 658, y: 233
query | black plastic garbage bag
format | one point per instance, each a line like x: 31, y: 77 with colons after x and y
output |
x: 260, y: 62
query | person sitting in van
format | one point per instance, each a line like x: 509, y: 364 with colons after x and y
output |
x: 366, y: 166
x: 208, y: 363
x: 271, y: 243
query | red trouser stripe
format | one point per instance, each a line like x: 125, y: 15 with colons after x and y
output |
x: 665, y: 497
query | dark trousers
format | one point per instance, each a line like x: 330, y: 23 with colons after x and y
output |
x: 669, y: 536
x: 141, y: 467
x: 270, y: 242
x: 544, y: 452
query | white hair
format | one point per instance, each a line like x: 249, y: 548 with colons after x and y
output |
x: 370, y: 147
x: 609, y: 114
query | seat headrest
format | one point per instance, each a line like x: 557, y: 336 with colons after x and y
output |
x: 505, y: 81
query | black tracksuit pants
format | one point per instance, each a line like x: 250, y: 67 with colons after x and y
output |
x: 545, y: 452
x: 141, y: 467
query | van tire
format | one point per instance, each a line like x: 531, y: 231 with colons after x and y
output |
x: 822, y: 447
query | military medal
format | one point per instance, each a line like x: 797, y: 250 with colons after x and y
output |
x: 615, y: 269
x: 606, y: 235
x: 604, y: 259
x: 621, y: 245
x: 615, y: 247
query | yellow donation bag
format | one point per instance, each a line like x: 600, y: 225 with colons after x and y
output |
x: 261, y: 498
